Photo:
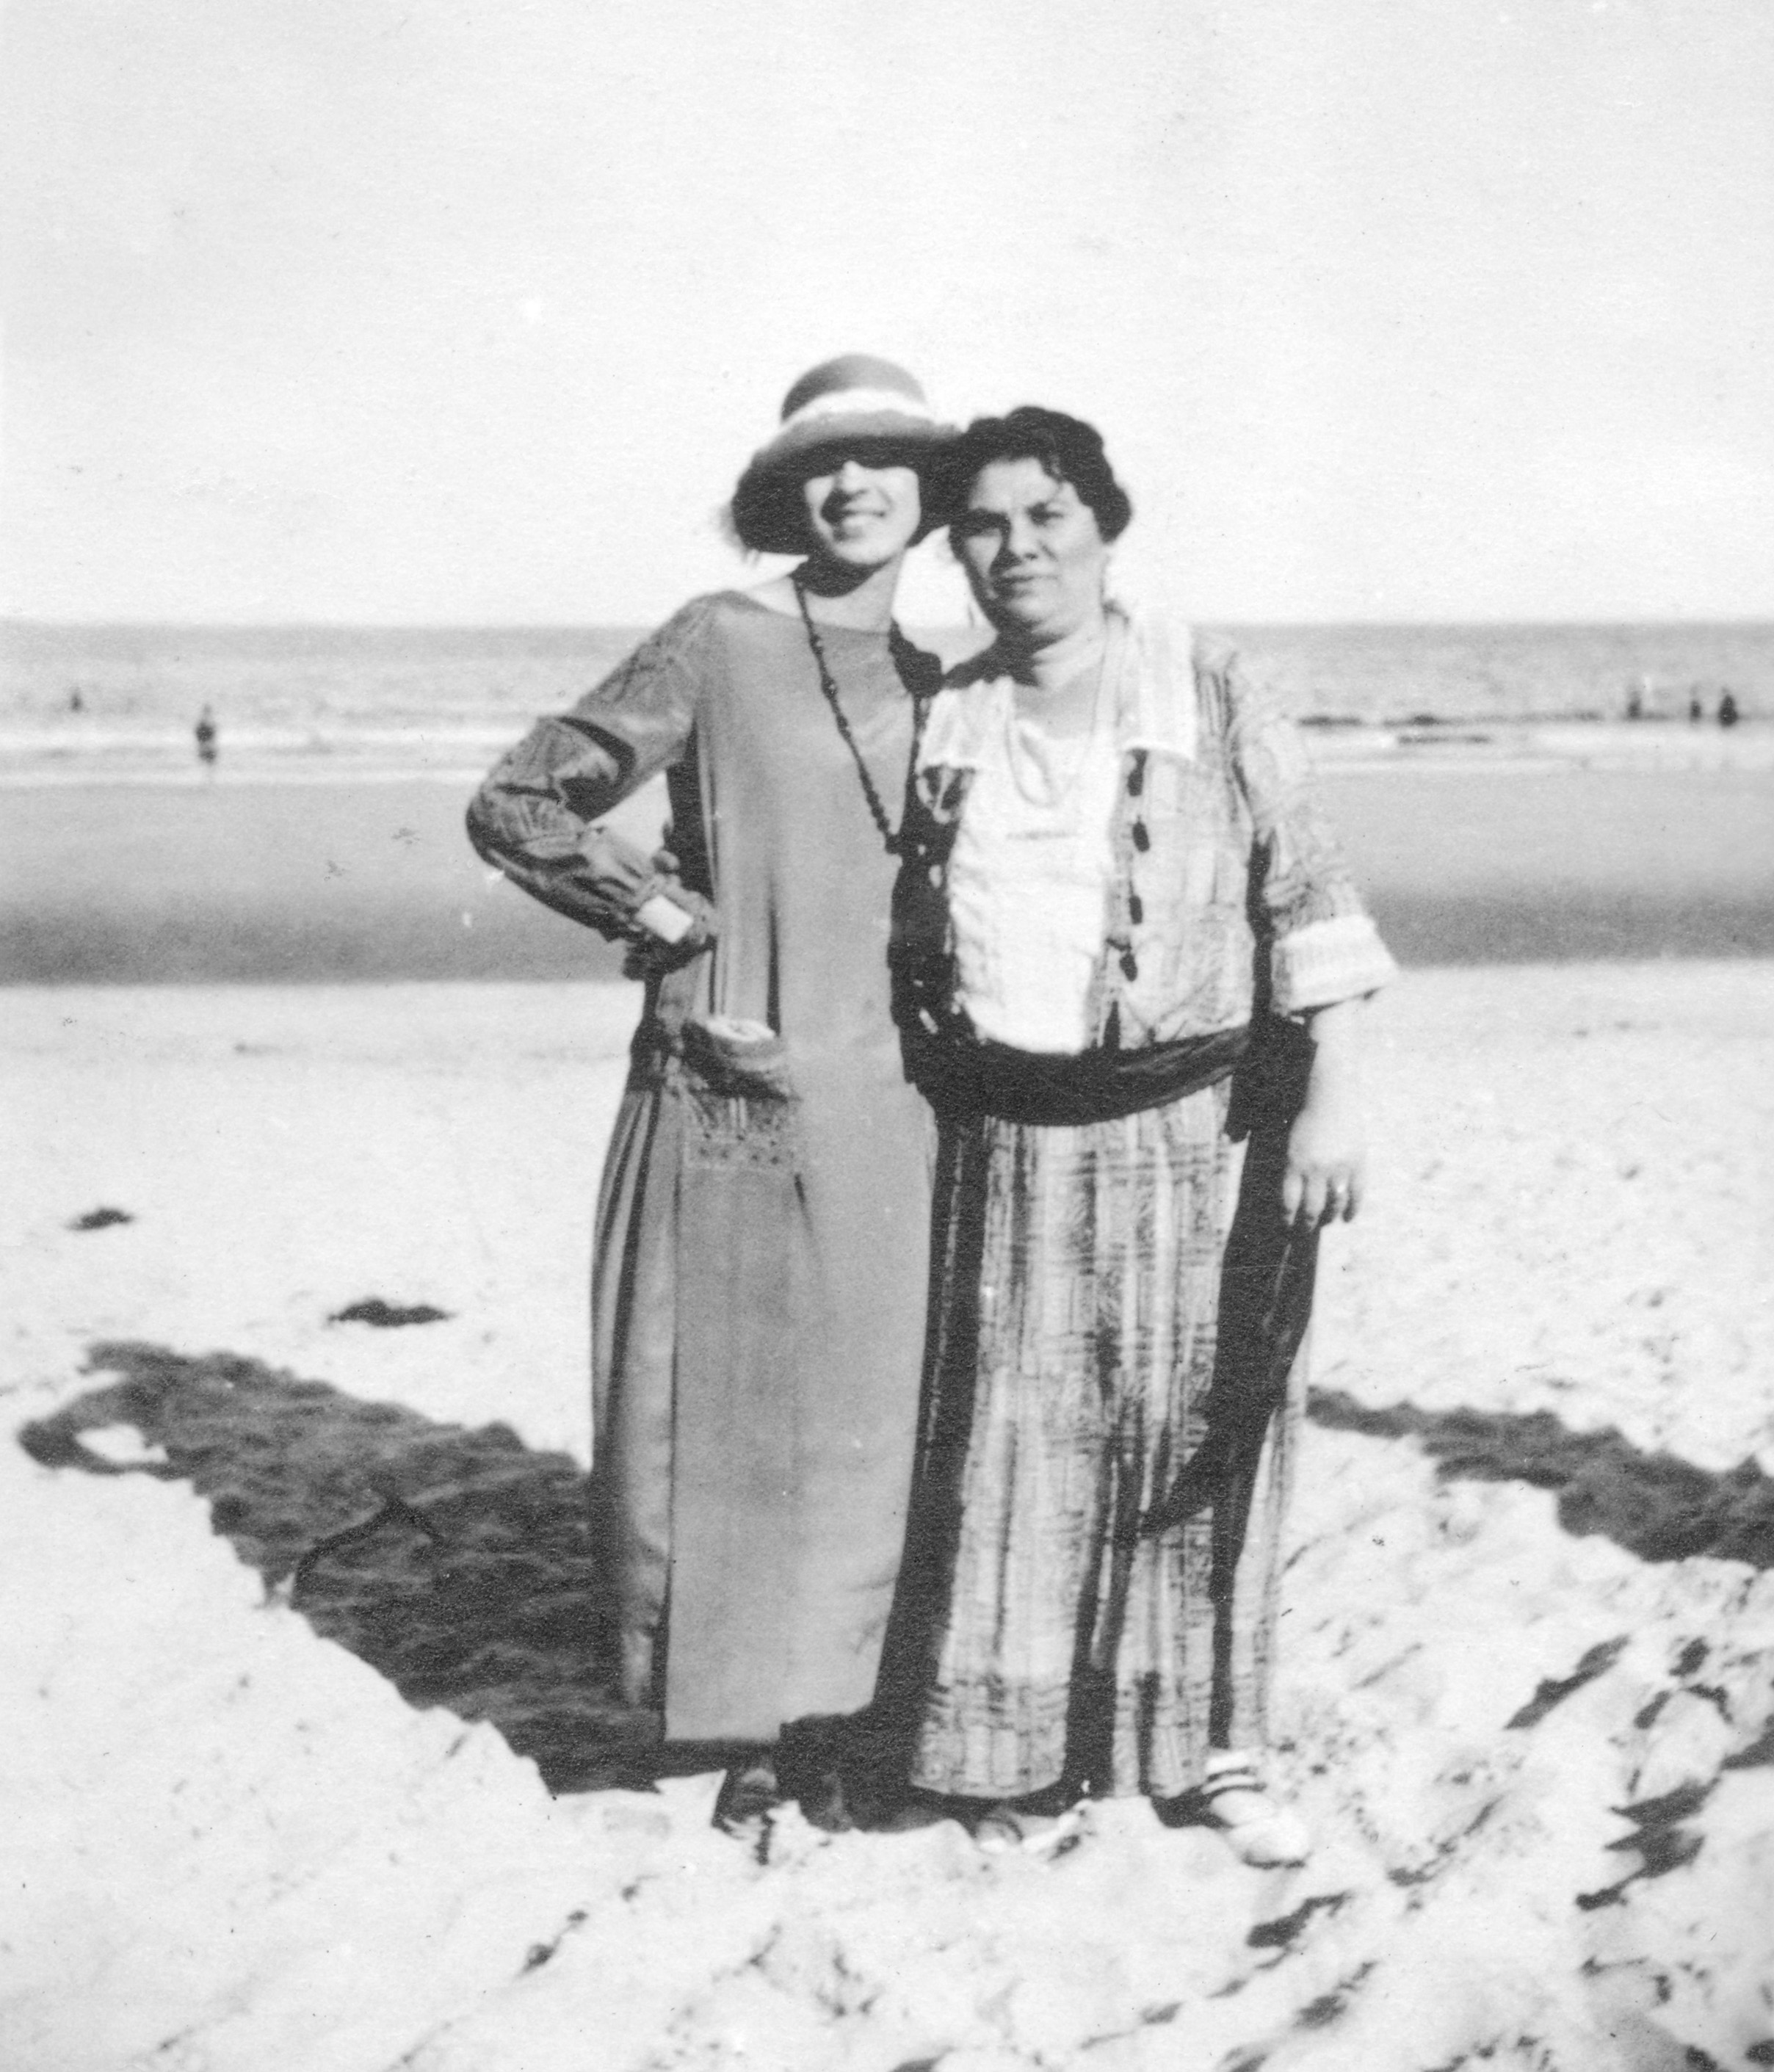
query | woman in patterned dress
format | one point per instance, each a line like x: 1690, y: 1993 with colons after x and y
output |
x: 761, y: 1259
x: 1131, y: 962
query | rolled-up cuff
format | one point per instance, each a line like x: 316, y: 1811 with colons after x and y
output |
x: 692, y: 905
x: 1325, y: 961
x: 617, y: 878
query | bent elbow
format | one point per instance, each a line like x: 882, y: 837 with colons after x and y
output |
x: 481, y: 823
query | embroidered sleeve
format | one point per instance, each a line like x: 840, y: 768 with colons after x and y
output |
x: 536, y: 815
x: 1321, y: 946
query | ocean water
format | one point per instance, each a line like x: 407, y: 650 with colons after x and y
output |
x: 343, y: 677
x: 298, y: 676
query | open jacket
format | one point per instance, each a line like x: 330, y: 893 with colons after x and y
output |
x: 1230, y: 896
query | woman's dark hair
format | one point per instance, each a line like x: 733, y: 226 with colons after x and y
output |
x: 1068, y: 448
x: 767, y: 515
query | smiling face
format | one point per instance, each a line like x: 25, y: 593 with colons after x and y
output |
x: 1033, y: 552
x: 863, y: 508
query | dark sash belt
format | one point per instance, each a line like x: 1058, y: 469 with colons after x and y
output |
x: 965, y: 1074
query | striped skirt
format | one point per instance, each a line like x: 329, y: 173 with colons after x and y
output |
x: 1114, y: 1400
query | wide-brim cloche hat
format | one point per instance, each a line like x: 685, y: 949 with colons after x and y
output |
x: 854, y: 399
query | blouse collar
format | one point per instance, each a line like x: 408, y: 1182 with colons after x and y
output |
x: 1151, y: 661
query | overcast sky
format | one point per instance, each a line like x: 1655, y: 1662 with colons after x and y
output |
x: 421, y: 310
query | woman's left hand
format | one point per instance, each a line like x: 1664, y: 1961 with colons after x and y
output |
x: 1327, y: 1148
x: 1326, y: 1159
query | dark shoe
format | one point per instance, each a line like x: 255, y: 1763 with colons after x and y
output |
x: 749, y: 1792
x: 825, y: 1804
x: 902, y: 1812
x: 810, y: 1766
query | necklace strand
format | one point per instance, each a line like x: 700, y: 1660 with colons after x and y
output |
x: 1019, y: 729
x: 920, y: 710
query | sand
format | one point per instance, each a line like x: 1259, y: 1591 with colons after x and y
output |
x: 1527, y: 1696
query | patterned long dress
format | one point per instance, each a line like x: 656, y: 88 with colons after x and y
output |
x: 1118, y: 1357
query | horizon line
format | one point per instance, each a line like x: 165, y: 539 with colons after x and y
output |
x: 10, y: 621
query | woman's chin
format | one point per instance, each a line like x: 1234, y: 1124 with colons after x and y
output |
x: 1025, y: 621
x: 862, y: 556
x: 1011, y: 615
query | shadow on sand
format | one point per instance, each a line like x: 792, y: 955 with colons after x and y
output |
x: 455, y: 1562
x: 1655, y: 1506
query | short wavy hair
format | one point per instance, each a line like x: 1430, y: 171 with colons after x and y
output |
x: 1069, y: 449
x: 769, y: 512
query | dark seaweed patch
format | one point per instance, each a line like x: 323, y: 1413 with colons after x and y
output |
x: 1661, y: 1842
x: 1317, y: 2014
x: 387, y: 1316
x: 1553, y: 1691
x: 1279, y: 1934
x: 1760, y: 1750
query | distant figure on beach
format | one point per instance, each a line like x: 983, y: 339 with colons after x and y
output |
x: 1635, y: 701
x: 761, y: 1250
x: 75, y: 702
x: 1132, y: 966
x: 208, y: 740
x: 1697, y: 712
x: 1727, y: 710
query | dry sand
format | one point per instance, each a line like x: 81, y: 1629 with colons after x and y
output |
x: 1527, y: 1697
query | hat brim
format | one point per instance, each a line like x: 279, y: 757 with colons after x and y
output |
x: 766, y: 512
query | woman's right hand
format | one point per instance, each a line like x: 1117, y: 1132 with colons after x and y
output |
x: 652, y: 951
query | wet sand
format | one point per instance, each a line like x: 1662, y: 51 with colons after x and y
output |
x: 316, y: 883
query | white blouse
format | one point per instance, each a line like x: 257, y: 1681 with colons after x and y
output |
x: 1030, y: 877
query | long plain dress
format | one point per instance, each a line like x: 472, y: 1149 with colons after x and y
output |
x: 758, y: 1304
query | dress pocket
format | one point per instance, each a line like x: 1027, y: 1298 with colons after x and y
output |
x: 742, y: 1109
x: 730, y: 1056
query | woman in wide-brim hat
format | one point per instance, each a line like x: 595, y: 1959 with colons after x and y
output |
x: 760, y: 1266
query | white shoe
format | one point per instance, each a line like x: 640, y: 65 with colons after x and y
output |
x: 1005, y: 1828
x: 1259, y: 1831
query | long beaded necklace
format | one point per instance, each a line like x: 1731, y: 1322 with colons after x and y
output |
x: 891, y: 837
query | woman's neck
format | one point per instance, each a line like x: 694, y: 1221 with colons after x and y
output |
x: 1060, y: 685
x: 861, y: 600
x: 1057, y: 666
